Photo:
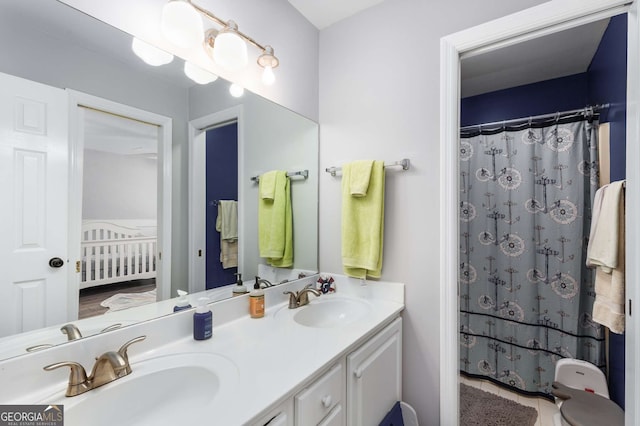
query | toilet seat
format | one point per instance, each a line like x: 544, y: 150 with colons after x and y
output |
x: 581, y: 408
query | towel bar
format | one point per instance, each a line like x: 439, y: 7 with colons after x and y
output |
x: 405, y: 163
x: 303, y: 173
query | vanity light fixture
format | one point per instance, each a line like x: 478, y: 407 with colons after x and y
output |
x: 150, y: 54
x: 198, y: 75
x: 226, y: 46
x: 181, y: 24
x: 268, y: 61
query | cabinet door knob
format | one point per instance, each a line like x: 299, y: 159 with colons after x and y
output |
x: 326, y: 401
x: 358, y: 372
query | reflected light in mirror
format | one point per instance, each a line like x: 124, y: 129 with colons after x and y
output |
x: 150, y: 54
x: 198, y: 75
x: 236, y: 90
x: 181, y: 24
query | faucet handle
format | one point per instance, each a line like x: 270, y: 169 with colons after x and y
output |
x: 293, y: 299
x: 111, y: 327
x: 77, y: 377
x: 123, y: 351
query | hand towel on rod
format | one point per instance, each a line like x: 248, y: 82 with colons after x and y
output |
x: 275, y: 219
x: 363, y: 221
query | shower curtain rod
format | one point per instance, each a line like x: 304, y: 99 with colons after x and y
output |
x: 527, y: 120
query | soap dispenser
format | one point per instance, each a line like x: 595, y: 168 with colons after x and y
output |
x: 202, y: 320
x: 239, y: 288
x: 182, y: 302
x: 256, y: 301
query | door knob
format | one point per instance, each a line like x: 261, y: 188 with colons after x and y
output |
x: 56, y: 262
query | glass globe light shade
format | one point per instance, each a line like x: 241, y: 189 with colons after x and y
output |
x: 150, y: 54
x: 236, y: 90
x: 199, y: 75
x: 181, y: 24
x: 230, y: 50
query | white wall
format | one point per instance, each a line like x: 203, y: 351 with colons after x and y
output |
x: 275, y: 138
x: 379, y: 99
x: 119, y: 186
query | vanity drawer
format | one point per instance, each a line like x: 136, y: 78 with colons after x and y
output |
x: 315, y: 402
x: 335, y: 417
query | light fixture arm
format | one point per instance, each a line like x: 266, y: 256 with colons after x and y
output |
x: 223, y: 24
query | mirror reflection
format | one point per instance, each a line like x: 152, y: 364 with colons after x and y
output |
x: 53, y: 46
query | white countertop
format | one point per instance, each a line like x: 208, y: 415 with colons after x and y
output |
x: 274, y: 355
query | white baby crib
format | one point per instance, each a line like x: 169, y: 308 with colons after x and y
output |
x: 113, y: 253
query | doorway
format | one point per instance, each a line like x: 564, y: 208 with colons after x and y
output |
x: 119, y: 213
x: 532, y: 23
x: 221, y: 183
x: 107, y: 249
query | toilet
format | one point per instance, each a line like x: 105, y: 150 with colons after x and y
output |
x: 582, y: 395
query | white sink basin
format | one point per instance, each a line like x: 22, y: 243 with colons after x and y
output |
x: 173, y: 389
x: 331, y: 312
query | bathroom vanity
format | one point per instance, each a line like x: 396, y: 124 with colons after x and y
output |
x: 335, y: 361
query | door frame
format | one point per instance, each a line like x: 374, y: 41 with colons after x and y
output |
x: 78, y: 100
x: 197, y: 186
x: 538, y: 21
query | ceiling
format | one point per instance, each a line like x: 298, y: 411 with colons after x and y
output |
x: 327, y: 12
x: 556, y: 55
x: 119, y: 135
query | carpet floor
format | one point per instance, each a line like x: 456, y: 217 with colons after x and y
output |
x: 481, y: 408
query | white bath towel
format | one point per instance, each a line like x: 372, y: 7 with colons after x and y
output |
x: 606, y: 253
x: 227, y: 221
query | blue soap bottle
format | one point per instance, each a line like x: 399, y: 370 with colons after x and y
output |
x: 202, y: 321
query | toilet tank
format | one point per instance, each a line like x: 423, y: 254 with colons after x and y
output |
x: 582, y: 375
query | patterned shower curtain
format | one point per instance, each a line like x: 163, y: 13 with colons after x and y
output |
x: 526, y: 296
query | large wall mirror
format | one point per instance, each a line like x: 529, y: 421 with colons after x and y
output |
x: 56, y: 47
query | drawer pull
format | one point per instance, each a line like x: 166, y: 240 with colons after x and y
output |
x: 358, y: 373
x: 326, y: 401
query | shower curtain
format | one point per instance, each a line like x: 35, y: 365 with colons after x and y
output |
x: 526, y: 296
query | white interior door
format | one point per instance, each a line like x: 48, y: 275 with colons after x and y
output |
x: 33, y: 214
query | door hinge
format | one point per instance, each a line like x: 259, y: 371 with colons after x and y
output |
x: 629, y: 307
x: 199, y: 253
x: 77, y: 266
x: 159, y: 255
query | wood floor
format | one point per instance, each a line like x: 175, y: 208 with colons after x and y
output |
x: 546, y: 409
x: 90, y: 298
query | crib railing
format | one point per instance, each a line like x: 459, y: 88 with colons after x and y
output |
x: 106, y: 261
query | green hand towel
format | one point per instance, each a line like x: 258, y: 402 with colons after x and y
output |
x: 275, y: 223
x: 268, y: 185
x: 363, y: 222
x: 359, y: 177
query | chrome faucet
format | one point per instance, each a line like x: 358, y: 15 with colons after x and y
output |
x: 301, y: 298
x: 108, y: 367
x: 71, y: 331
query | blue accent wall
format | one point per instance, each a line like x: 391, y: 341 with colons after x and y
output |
x: 604, y: 82
x: 222, y: 184
x: 607, y: 76
x: 559, y: 94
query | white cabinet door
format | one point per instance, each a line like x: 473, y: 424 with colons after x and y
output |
x: 374, y: 377
x: 33, y: 216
